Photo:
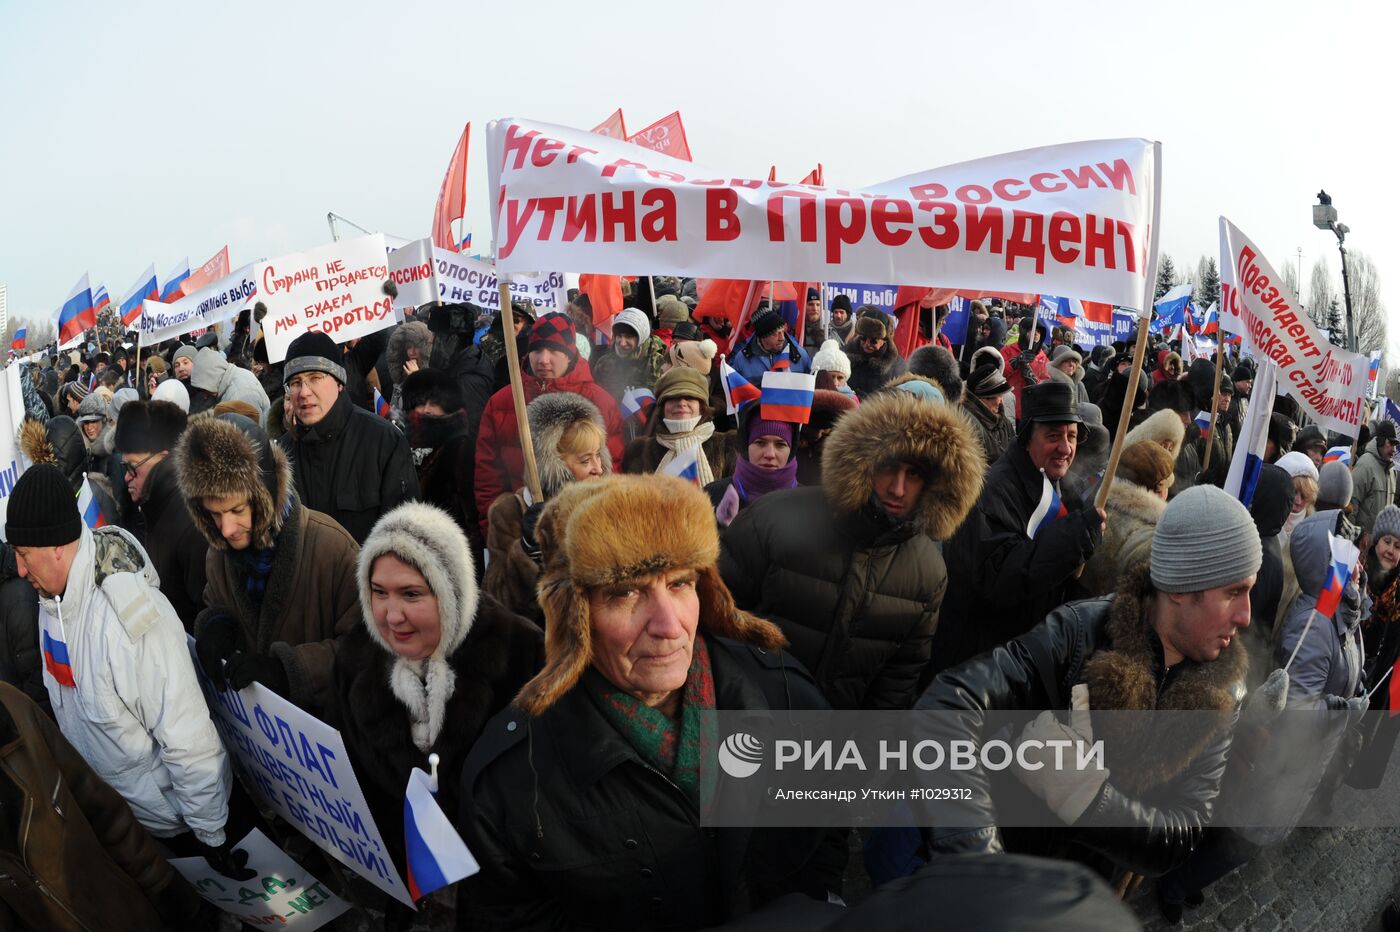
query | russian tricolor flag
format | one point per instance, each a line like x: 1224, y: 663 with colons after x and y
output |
x: 381, y: 407
x: 1049, y: 510
x: 100, y: 299
x: 17, y: 344
x: 685, y: 465
x: 1248, y: 460
x: 787, y: 396
x: 1344, y: 557
x: 1337, y: 455
x: 737, y: 389
x: 637, y: 402
x: 435, y: 853
x: 1203, y: 422
x: 89, y: 508
x: 145, y: 289
x: 55, y: 650
x: 1171, y: 309
x: 1373, y: 374
x: 76, y: 314
x: 171, y: 291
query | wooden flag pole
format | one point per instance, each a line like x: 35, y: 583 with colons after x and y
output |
x: 1214, y: 397
x: 517, y: 392
x: 1124, y: 416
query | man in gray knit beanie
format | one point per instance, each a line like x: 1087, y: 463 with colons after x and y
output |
x: 1165, y: 641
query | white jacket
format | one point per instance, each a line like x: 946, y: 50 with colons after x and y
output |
x: 137, y: 715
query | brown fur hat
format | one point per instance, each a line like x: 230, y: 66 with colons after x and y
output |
x: 899, y: 426
x: 230, y: 456
x: 616, y: 528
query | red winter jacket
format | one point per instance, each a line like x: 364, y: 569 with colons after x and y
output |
x: 500, y: 466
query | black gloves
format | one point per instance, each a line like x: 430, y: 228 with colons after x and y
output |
x: 217, y: 640
x: 243, y: 668
x: 230, y: 861
x: 528, y: 522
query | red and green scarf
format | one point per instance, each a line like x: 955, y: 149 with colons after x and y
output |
x: 677, y: 748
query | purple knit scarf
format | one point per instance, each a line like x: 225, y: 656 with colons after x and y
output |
x: 754, y: 482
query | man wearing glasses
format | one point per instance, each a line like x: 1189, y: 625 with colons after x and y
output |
x: 347, y: 463
x: 146, y: 433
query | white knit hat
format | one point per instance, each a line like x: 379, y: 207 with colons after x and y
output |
x: 635, y: 321
x: 1297, y: 464
x: 832, y: 357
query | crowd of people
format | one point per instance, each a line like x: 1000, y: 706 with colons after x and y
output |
x: 391, y: 570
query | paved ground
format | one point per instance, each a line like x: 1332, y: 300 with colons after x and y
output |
x: 1319, y: 879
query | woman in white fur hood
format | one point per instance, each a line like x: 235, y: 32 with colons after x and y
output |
x: 433, y: 660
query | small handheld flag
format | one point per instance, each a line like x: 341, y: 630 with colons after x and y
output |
x: 55, y: 648
x: 436, y: 855
x: 1337, y: 455
x: 1048, y: 511
x: 637, y: 403
x: 1248, y: 459
x: 685, y: 464
x: 89, y: 507
x: 787, y: 396
x: 381, y: 406
x: 100, y: 299
x: 17, y: 344
x: 737, y: 389
x: 1203, y: 422
x: 1344, y: 557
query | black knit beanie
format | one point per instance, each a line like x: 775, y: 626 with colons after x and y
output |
x: 42, y: 510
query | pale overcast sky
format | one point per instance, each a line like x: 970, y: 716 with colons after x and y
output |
x: 140, y: 132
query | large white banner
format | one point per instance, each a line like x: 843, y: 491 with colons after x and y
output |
x: 1328, y: 382
x: 336, y: 289
x: 411, y: 271
x: 461, y: 278
x: 298, y: 766
x: 12, y: 461
x: 1075, y: 219
x: 215, y: 302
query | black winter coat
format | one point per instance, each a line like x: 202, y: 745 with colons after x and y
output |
x: 176, y: 547
x: 1002, y: 581
x: 869, y: 374
x: 446, y: 477
x: 500, y: 653
x: 21, y: 663
x: 352, y: 465
x: 1273, y: 499
x: 1108, y: 645
x: 857, y: 596
x: 573, y: 830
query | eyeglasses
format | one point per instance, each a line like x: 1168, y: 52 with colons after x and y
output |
x: 131, y: 469
x: 306, y: 381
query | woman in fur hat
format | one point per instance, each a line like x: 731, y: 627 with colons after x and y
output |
x: 875, y: 361
x: 281, y: 576
x: 1135, y: 502
x: 571, y: 444
x: 429, y: 663
x: 765, y: 460
x: 581, y: 801
x: 682, y: 418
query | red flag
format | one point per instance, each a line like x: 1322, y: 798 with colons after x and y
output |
x: 816, y: 176
x: 730, y: 299
x: 666, y: 135
x: 604, y: 293
x: 907, y: 304
x: 452, y: 197
x: 612, y: 127
x: 1097, y: 312
x: 211, y: 271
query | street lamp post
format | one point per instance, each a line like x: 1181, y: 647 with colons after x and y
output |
x: 1325, y: 218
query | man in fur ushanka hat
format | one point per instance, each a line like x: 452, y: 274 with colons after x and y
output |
x: 604, y: 750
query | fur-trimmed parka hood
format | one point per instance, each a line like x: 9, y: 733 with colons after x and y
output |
x: 59, y: 442
x: 550, y: 416
x: 1125, y: 677
x: 230, y: 456
x: 612, y: 529
x: 899, y: 426
x: 426, y: 538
